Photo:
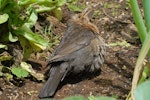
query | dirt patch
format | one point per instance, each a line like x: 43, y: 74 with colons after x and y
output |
x: 115, y: 22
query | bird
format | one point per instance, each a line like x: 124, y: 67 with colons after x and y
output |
x: 81, y: 49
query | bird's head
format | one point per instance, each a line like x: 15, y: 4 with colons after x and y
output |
x: 82, y: 19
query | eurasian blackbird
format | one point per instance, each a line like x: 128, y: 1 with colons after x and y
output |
x: 81, y: 49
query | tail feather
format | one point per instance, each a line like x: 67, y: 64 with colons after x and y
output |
x: 56, y: 75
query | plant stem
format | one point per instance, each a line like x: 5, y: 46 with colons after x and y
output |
x: 138, y: 20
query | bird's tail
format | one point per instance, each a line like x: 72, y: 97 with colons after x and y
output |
x: 57, y: 73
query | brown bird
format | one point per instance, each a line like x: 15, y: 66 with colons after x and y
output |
x: 81, y: 49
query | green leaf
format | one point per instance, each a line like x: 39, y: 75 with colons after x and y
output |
x: 27, y: 48
x: 13, y: 10
x: 19, y: 72
x: 31, y: 19
x: 30, y: 36
x: 8, y: 76
x: 146, y: 9
x: 3, y: 46
x: 4, y: 57
x: 91, y: 97
x: 8, y: 37
x: 30, y: 41
x: 72, y: 1
x: 61, y: 2
x: 96, y: 13
x: 40, y: 2
x: 12, y: 38
x: 100, y: 98
x: 1, y: 68
x: 32, y: 72
x: 26, y: 66
x: 42, y: 5
x: 58, y: 13
x: 75, y: 98
x: 3, y: 18
x: 43, y: 8
x: 74, y: 8
x: 123, y: 43
x: 142, y: 92
x: 1, y: 74
x: 145, y: 74
x: 104, y: 98
x: 3, y: 4
x: 37, y: 39
x: 26, y: 2
x: 37, y: 47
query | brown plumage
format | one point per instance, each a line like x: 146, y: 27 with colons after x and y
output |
x: 81, y: 49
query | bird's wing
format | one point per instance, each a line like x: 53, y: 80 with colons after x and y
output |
x: 72, y: 42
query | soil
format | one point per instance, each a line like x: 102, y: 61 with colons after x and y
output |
x: 116, y: 25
